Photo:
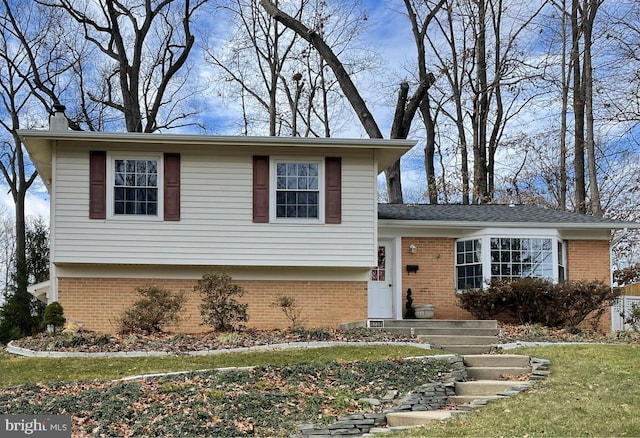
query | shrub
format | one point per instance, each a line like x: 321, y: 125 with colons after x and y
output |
x: 537, y: 301
x: 290, y: 308
x: 157, y: 308
x: 219, y: 308
x: 53, y: 316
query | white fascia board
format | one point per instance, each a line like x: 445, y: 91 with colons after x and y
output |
x: 194, y: 139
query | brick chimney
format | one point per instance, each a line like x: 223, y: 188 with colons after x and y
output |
x: 58, y: 120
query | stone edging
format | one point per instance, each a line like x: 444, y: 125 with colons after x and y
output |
x: 283, y: 346
x: 519, y: 344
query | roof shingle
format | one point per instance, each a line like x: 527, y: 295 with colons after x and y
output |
x: 492, y: 213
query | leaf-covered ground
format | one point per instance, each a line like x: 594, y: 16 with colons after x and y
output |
x: 181, y: 343
x: 263, y: 401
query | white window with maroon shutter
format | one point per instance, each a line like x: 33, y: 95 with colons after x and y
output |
x: 134, y: 186
x: 297, y: 190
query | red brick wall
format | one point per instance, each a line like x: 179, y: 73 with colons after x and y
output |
x: 98, y: 302
x: 434, y: 283
x: 590, y: 260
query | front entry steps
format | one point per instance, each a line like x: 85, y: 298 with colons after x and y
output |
x: 454, y: 336
x: 495, y: 376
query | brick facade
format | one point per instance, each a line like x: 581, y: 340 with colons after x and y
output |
x: 434, y: 283
x: 98, y: 302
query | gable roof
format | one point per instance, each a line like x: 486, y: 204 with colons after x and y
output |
x: 496, y: 215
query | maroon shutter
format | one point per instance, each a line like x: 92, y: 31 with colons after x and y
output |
x: 97, y: 185
x: 171, y: 187
x: 261, y: 189
x: 333, y: 192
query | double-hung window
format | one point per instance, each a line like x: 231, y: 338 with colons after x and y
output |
x: 297, y: 190
x: 135, y: 190
x: 482, y: 259
x: 469, y: 264
x: 135, y: 186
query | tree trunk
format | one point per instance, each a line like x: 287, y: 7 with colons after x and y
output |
x: 562, y: 177
x: 430, y: 150
x: 578, y: 110
x: 480, y: 110
x: 590, y: 8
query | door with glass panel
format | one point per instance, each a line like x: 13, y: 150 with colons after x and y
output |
x: 380, y: 288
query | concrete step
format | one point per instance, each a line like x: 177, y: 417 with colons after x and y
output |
x: 496, y: 373
x: 496, y: 360
x: 487, y: 387
x: 470, y: 399
x: 416, y: 418
x: 449, y: 340
x: 463, y: 349
x: 437, y: 323
x: 438, y: 331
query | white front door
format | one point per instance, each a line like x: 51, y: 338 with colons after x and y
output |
x: 380, y: 288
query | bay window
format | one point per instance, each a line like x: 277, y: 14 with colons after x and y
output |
x: 486, y: 258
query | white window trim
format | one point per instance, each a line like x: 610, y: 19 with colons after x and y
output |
x: 111, y: 158
x: 273, y: 188
x: 485, y: 241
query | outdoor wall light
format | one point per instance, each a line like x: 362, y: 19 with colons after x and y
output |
x: 413, y: 249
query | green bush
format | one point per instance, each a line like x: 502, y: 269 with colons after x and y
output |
x: 53, y: 316
x: 537, y: 301
x: 157, y: 308
x: 219, y: 308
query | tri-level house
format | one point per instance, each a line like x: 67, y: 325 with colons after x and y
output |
x: 283, y: 216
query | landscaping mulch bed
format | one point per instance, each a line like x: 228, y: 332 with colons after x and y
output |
x: 181, y: 343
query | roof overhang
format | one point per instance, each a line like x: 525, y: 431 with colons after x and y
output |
x: 40, y: 290
x: 40, y: 143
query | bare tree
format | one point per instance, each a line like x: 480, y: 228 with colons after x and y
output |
x: 479, y: 52
x: 16, y: 98
x: 419, y: 26
x: 405, y: 107
x: 146, y: 44
x: 283, y: 78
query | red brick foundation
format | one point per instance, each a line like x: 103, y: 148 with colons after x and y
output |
x: 98, y: 302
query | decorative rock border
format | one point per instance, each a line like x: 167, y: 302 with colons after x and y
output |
x: 283, y: 346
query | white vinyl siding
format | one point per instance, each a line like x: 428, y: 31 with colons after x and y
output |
x: 216, y: 226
